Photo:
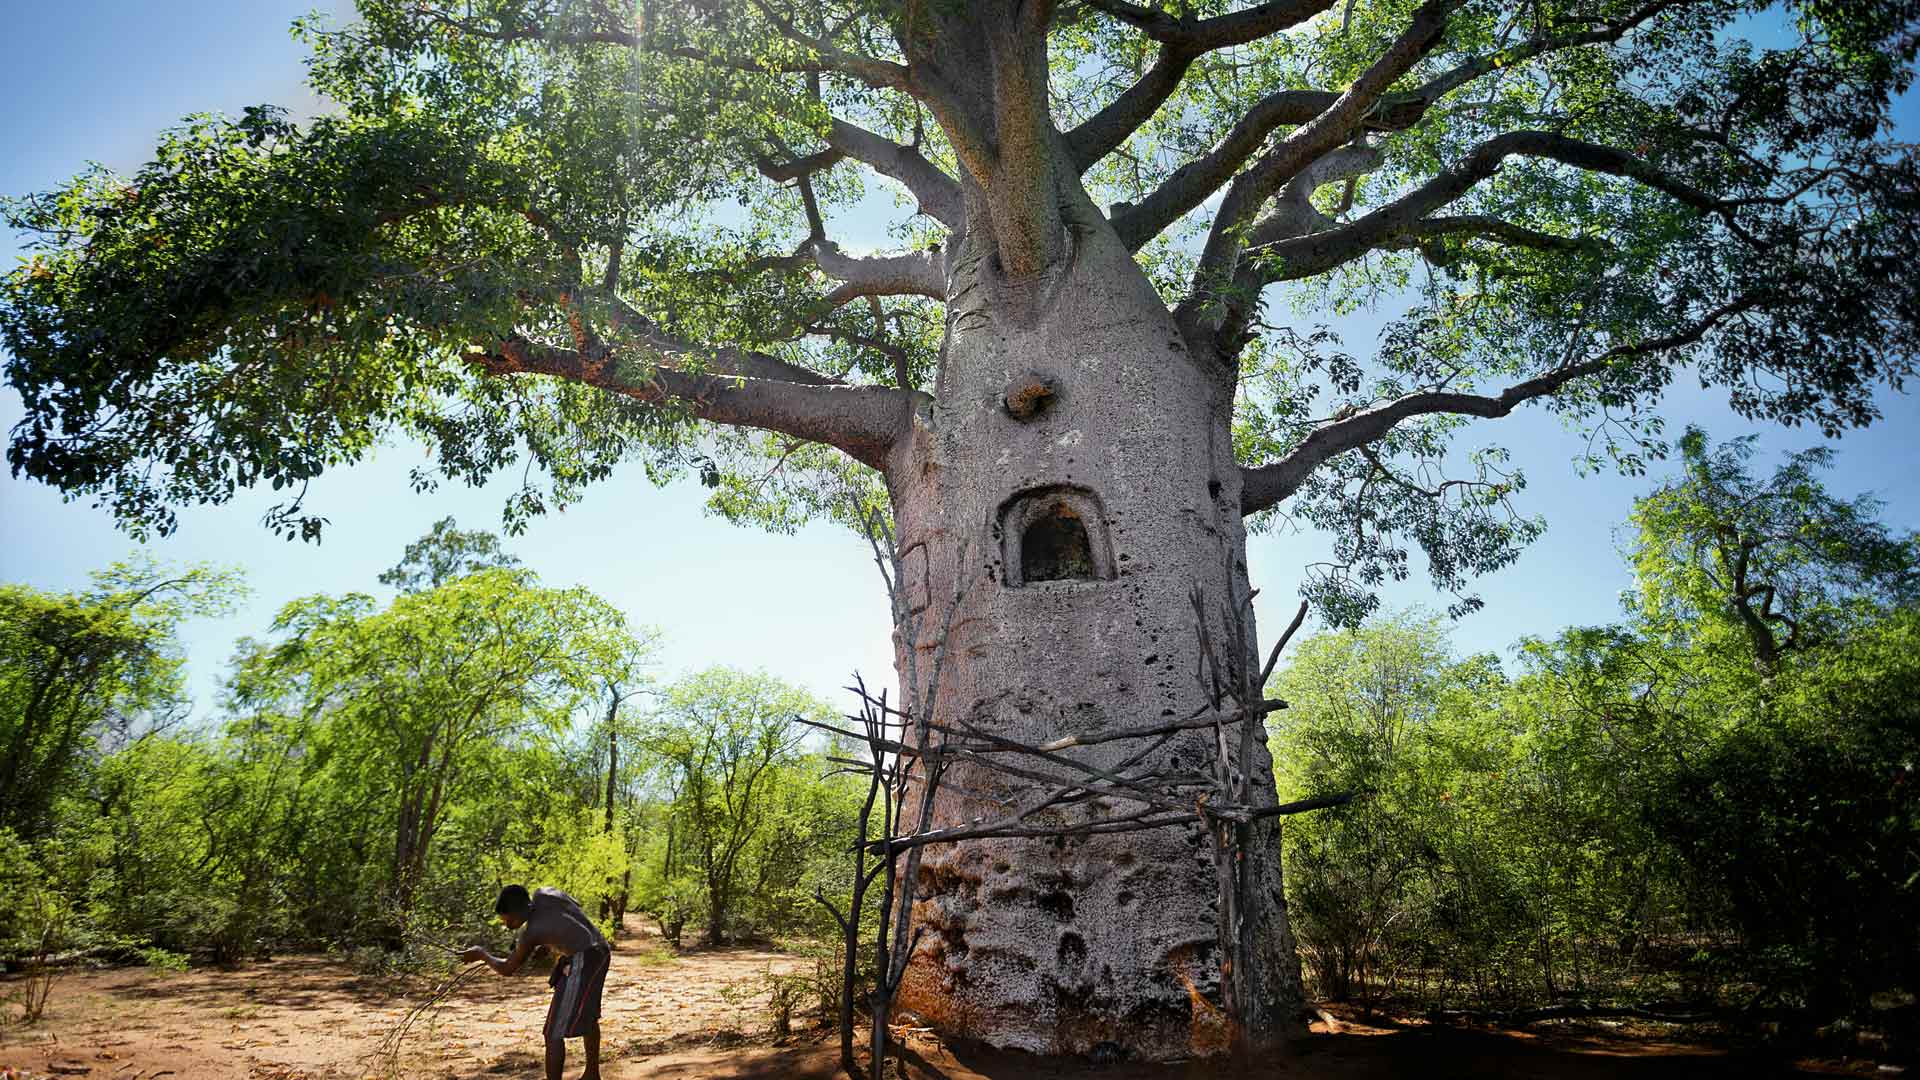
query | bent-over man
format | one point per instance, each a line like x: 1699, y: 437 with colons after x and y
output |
x: 553, y: 919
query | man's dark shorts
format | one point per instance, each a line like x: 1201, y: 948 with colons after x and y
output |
x: 577, y: 981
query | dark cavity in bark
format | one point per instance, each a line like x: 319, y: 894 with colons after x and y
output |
x: 1056, y: 534
x: 1055, y: 548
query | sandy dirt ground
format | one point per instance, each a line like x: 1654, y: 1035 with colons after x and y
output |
x: 313, y: 1018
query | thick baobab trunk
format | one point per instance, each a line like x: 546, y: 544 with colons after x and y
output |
x: 1073, y: 486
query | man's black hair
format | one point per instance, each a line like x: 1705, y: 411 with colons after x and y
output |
x: 513, y: 900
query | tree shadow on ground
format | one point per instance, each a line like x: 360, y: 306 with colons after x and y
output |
x: 1407, y: 1050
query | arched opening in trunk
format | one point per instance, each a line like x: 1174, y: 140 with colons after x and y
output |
x: 1055, y: 548
x: 1055, y: 534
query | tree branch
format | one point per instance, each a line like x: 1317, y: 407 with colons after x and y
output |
x: 631, y: 327
x: 872, y: 71
x: 1136, y: 822
x: 1189, y: 186
x: 1192, y: 183
x: 1301, y: 149
x: 863, y: 421
x: 785, y: 172
x: 1219, y: 32
x: 1291, y: 257
x: 1202, y: 720
x: 1473, y: 69
x: 937, y: 193
x: 1293, y: 213
x: 1269, y: 485
x: 1287, y: 255
x: 919, y: 273
x: 1100, y: 134
x: 1182, y: 41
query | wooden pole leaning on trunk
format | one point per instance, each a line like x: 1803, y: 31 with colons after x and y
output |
x: 889, y: 766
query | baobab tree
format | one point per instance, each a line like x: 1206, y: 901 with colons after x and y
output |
x: 582, y: 232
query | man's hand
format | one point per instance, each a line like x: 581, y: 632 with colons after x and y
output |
x: 474, y: 955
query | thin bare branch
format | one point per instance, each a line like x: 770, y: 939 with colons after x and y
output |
x: 1299, y: 617
x: 1271, y: 484
x: 1204, y: 720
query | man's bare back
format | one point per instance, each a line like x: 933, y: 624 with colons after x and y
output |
x: 558, y: 923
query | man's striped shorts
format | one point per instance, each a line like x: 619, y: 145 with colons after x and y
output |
x: 577, y: 981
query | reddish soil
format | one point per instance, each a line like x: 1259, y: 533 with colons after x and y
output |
x: 313, y: 1018
x: 1352, y: 1051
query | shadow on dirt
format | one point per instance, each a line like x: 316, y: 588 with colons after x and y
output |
x: 1406, y: 1050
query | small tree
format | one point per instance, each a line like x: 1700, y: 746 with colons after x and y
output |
x: 444, y: 554
x: 1793, y: 804
x: 36, y: 923
x: 627, y: 679
x: 1361, y: 703
x: 407, y: 701
x: 80, y: 672
x: 1780, y: 564
x: 723, y: 737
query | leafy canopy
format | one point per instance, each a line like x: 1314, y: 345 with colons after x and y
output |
x: 567, y: 230
x: 1777, y: 563
x: 444, y: 554
x: 84, y: 672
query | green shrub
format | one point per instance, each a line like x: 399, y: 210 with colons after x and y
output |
x: 158, y: 959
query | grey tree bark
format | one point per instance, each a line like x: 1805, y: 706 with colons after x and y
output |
x: 1071, y: 484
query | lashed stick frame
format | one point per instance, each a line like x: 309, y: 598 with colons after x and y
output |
x: 1221, y: 797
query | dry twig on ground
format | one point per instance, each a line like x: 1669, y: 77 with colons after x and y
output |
x: 385, y: 1058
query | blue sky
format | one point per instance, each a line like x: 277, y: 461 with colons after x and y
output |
x: 94, y: 80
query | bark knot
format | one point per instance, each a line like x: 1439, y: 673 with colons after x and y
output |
x: 1027, y: 395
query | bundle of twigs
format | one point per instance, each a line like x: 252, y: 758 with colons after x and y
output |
x: 384, y: 1058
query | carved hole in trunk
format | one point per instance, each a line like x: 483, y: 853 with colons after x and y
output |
x: 1055, y: 548
x: 1055, y: 534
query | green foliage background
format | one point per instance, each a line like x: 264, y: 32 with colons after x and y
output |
x: 1689, y: 804
x: 378, y: 769
x: 1679, y: 805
